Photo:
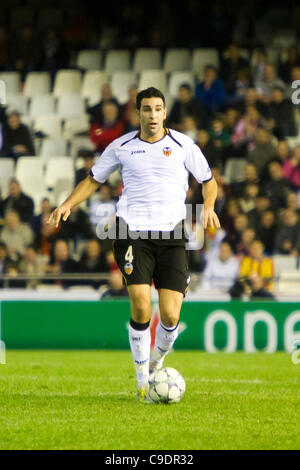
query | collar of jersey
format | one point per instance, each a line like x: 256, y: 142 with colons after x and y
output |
x: 166, y: 133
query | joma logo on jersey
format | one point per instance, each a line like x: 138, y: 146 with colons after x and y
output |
x: 138, y: 151
x: 167, y: 151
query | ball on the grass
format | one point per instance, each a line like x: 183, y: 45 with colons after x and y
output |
x: 166, y: 386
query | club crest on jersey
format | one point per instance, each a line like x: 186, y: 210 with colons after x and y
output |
x: 128, y: 268
x: 167, y: 151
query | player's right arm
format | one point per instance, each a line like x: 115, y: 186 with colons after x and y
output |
x: 82, y: 192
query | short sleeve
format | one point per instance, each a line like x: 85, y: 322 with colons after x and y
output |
x: 106, y: 164
x: 197, y: 164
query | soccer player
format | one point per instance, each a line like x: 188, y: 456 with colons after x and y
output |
x: 155, y: 163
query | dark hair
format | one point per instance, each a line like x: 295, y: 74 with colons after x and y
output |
x: 150, y: 92
x: 186, y: 86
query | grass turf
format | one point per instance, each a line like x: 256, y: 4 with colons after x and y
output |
x: 86, y: 400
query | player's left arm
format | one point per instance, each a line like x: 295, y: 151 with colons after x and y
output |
x: 209, y: 191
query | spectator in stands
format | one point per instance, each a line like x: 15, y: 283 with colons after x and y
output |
x: 230, y: 65
x: 185, y: 105
x: 24, y: 53
x: 247, y: 201
x: 112, y: 127
x: 243, y: 137
x: 18, y: 201
x: 96, y: 111
x: 17, y: 140
x: 230, y: 120
x: 211, y: 92
x: 94, y: 260
x: 265, y: 87
x: 221, y: 272
x: 3, y: 260
x: 251, y: 99
x: 103, y: 207
x: 293, y: 202
x: 130, y: 106
x: 38, y: 220
x: 233, y: 237
x: 266, y: 231
x: 77, y: 227
x: 207, y: 145
x: 15, y: 234
x: 291, y: 168
x: 293, y: 60
x: 277, y: 187
x: 243, y: 247
x: 189, y: 126
x: 258, y: 263
x: 287, y: 241
x: 62, y: 263
x: 258, y: 289
x: 250, y: 177
x: 4, y: 49
x: 262, y: 203
x: 281, y: 115
x: 283, y: 151
x: 242, y: 83
x: 259, y: 61
x: 88, y: 161
x: 53, y: 52
x: 132, y: 122
x: 264, y: 150
x: 232, y: 210
x: 116, y: 286
x: 219, y: 134
x: 32, y: 263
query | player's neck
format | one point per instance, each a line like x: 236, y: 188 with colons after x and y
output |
x: 152, y: 138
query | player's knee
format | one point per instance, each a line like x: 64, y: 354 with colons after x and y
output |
x: 141, y: 310
x: 169, y: 319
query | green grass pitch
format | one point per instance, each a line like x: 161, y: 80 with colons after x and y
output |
x: 87, y: 400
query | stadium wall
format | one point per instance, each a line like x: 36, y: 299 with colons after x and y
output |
x: 211, y: 326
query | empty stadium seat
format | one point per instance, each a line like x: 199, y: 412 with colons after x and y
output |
x: 89, y: 59
x: 120, y: 83
x: 30, y: 173
x: 41, y: 105
x: 49, y: 124
x: 283, y: 263
x: 289, y: 282
x: 76, y: 125
x: 145, y: 59
x: 235, y: 170
x: 12, y: 81
x: 16, y: 102
x: 78, y: 143
x: 59, y: 169
x: 38, y: 196
x: 70, y: 105
x: 7, y: 166
x: 177, y: 59
x: 203, y: 57
x: 92, y: 83
x: 117, y: 59
x: 37, y: 83
x: 179, y: 78
x: 53, y: 148
x: 155, y: 78
x: 67, y: 81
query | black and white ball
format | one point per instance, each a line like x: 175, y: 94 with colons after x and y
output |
x: 166, y: 386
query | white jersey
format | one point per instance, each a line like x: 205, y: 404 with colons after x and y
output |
x: 155, y: 177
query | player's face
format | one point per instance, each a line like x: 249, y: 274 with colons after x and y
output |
x: 152, y: 115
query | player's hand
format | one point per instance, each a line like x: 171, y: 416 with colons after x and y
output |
x: 210, y: 218
x: 62, y: 211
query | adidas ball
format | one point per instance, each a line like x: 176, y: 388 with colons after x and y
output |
x: 166, y: 386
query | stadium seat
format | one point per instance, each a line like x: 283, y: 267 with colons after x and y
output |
x: 49, y: 124
x: 58, y: 170
x: 120, y: 83
x: 41, y: 105
x: 12, y: 81
x: 145, y: 59
x: 283, y: 263
x: 38, y: 196
x: 89, y: 59
x: 78, y: 143
x: 67, y: 81
x: 7, y: 166
x: 177, y: 59
x: 70, y: 105
x: 156, y: 78
x: 289, y: 282
x: 76, y: 125
x: 117, y: 59
x: 203, y: 57
x: 235, y: 170
x: 179, y: 78
x: 53, y: 148
x: 92, y: 83
x: 16, y: 102
x: 30, y: 173
x: 37, y: 83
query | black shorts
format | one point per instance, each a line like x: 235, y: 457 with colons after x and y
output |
x: 153, y: 259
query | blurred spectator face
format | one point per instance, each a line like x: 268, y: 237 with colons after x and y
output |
x: 61, y: 251
x: 261, y: 56
x: 217, y: 125
x: 184, y: 94
x: 231, y: 117
x: 250, y: 172
x: 88, y: 162
x: 106, y: 92
x: 248, y: 236
x: 12, y: 220
x: 275, y: 171
x: 189, y: 124
x: 115, y: 281
x: 233, y: 52
x: 3, y: 252
x: 268, y: 219
x: 14, y: 121
x: 256, y: 282
x: 269, y: 73
x: 202, y: 138
x: 293, y: 201
x: 262, y: 136
x: 283, y: 150
x: 30, y: 255
x: 93, y: 249
x: 290, y: 218
x: 251, y: 96
x: 45, y: 207
x: 110, y: 112
x: 225, y: 252
x: 233, y: 208
x: 133, y: 91
x: 14, y: 188
x: 252, y: 114
x: 277, y: 96
x: 295, y: 73
x: 262, y: 203
x: 251, y: 191
x: 240, y: 223
x: 292, y: 54
x: 105, y: 193
x: 210, y: 74
x: 296, y: 153
x: 256, y: 249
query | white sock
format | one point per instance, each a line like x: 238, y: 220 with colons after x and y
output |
x: 165, y: 338
x: 140, y: 342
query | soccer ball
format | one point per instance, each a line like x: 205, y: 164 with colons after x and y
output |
x: 166, y: 386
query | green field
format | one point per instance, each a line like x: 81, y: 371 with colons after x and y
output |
x: 86, y: 400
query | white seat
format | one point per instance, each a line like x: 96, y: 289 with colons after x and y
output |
x: 117, y: 59
x: 284, y: 263
x: 30, y: 173
x: 67, y: 81
x: 37, y: 83
x: 16, y: 102
x: 59, y: 169
x: 177, y: 59
x: 12, y: 81
x: 78, y: 143
x: 89, y: 59
x: 235, y: 170
x: 41, y: 105
x: 145, y: 59
x: 76, y: 125
x: 179, y: 78
x: 61, y: 193
x: 153, y: 78
x: 53, y: 148
x: 49, y: 124
x: 202, y: 57
x: 92, y: 83
x: 289, y: 282
x: 7, y: 166
x: 120, y: 83
x: 70, y: 105
x: 38, y: 196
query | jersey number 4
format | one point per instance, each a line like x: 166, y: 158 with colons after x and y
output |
x: 129, y: 255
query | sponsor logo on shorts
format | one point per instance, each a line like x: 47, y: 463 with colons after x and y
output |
x: 167, y: 151
x: 128, y: 268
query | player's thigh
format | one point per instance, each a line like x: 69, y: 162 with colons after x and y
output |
x: 171, y: 270
x: 170, y: 302
x: 140, y: 302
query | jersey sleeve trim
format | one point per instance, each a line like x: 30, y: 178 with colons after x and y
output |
x: 209, y: 179
x: 172, y: 137
x: 126, y: 141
